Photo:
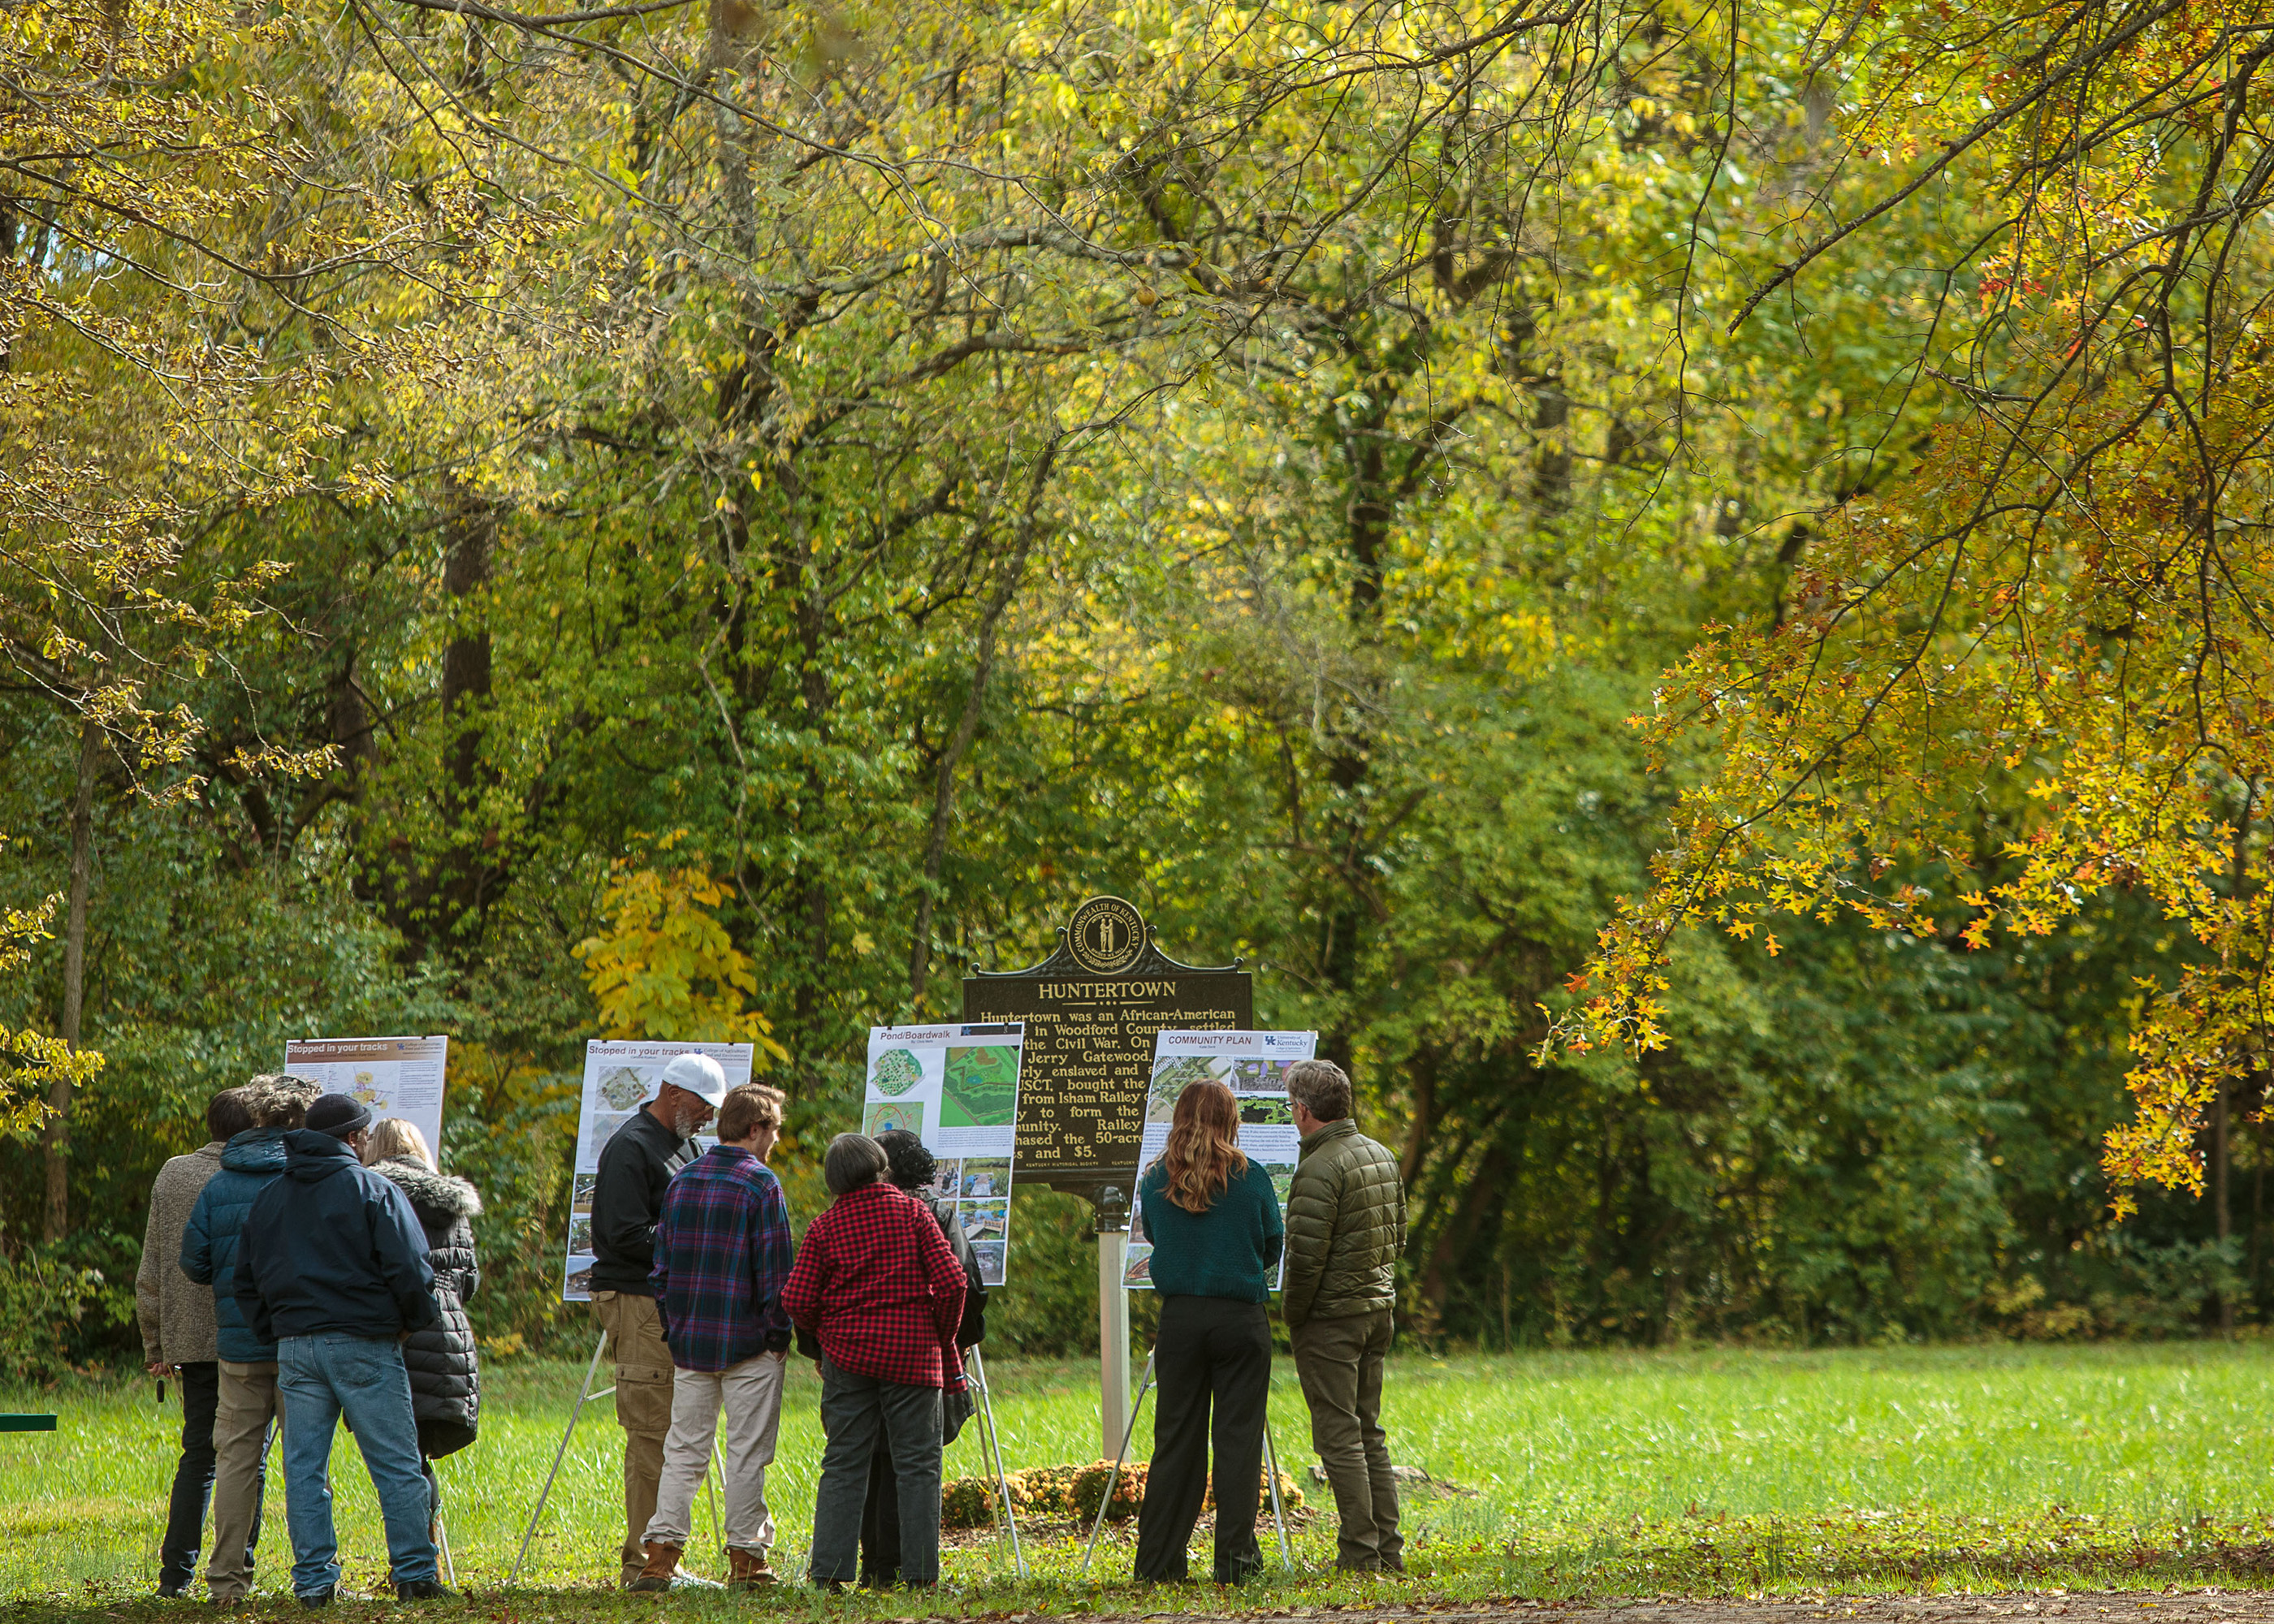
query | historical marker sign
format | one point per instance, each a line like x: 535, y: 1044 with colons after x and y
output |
x: 1091, y: 1009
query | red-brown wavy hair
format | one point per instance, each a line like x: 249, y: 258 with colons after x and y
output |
x: 1203, y: 1149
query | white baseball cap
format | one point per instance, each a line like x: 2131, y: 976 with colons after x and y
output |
x: 699, y: 1075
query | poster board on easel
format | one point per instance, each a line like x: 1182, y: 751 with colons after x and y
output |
x: 955, y: 1086
x: 620, y: 1077
x: 394, y: 1077
x: 1253, y: 1066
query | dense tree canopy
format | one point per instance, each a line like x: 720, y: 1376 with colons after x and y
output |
x: 538, y: 522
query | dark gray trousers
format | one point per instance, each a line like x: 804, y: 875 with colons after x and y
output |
x: 857, y: 1413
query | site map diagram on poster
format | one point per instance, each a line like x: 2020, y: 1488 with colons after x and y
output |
x: 394, y: 1077
x: 619, y: 1079
x: 1253, y: 1066
x: 955, y: 1087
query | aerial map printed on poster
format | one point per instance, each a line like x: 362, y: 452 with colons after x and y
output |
x: 955, y: 1087
x: 619, y: 1079
x: 1253, y: 1066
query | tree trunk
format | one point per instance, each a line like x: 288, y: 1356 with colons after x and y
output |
x: 56, y: 1141
x: 2221, y: 1213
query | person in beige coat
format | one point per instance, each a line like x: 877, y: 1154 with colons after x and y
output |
x: 176, y: 1319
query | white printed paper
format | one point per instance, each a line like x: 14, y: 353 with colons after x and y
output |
x: 394, y: 1077
x: 955, y: 1087
x: 619, y: 1079
x: 1253, y: 1066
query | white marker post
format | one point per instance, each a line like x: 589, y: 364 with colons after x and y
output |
x: 1113, y: 1322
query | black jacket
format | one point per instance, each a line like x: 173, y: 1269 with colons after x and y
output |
x: 636, y: 1167
x: 330, y: 1246
x: 446, y: 1377
x: 973, y: 1330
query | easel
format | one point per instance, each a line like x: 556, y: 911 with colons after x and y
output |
x: 585, y: 1396
x: 991, y: 1437
x: 1270, y: 1456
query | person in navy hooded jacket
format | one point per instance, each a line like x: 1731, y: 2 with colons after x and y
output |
x: 333, y: 1269
x: 244, y: 1409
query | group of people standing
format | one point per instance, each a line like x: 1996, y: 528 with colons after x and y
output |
x: 702, y: 1295
x: 695, y: 1289
x: 304, y: 1266
x: 325, y: 1263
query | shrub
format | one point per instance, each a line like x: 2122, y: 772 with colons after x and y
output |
x: 1070, y: 1493
x: 57, y: 1301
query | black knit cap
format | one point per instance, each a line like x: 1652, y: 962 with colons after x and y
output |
x: 338, y: 1115
x: 912, y: 1165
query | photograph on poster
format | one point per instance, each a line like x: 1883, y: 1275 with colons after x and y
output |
x: 894, y: 1115
x: 946, y: 1180
x: 992, y: 1256
x: 580, y: 1232
x: 1172, y: 1073
x: 983, y: 1220
x: 580, y: 1193
x: 984, y: 1177
x: 624, y: 1087
x: 981, y: 1089
x: 894, y: 1072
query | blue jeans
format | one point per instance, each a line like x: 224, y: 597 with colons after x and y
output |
x: 319, y: 1379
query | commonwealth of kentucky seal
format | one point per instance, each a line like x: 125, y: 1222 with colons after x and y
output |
x: 1105, y: 936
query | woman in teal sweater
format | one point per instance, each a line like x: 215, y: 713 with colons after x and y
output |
x: 1213, y: 1221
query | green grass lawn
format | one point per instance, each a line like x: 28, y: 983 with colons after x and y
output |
x: 1712, y: 1472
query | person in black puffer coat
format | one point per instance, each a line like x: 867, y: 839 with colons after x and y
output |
x: 445, y: 1378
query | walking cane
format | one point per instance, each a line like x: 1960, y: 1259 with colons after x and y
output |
x: 1114, y: 1477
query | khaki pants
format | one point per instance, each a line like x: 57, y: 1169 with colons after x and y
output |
x: 1340, y: 1363
x: 751, y: 1394
x: 243, y: 1412
x: 642, y: 1408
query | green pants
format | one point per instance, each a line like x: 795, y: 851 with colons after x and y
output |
x: 1340, y: 1363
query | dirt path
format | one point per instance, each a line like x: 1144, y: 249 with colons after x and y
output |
x: 2076, y: 1607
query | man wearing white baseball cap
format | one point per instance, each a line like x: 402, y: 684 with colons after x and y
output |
x: 637, y: 1166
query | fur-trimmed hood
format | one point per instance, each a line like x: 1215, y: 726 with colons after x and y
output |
x: 439, y: 1192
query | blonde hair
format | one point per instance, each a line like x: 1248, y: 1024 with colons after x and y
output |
x: 396, y: 1140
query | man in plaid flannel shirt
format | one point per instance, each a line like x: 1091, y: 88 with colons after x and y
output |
x: 722, y: 1257
x: 877, y: 1282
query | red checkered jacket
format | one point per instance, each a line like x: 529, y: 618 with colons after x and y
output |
x: 876, y: 1281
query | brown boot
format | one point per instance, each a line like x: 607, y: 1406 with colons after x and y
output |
x: 747, y: 1570
x: 662, y: 1562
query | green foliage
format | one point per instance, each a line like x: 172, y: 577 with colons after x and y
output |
x: 61, y: 1301
x: 1253, y: 463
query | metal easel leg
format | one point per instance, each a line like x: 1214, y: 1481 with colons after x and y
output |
x: 449, y: 1567
x: 1278, y: 1515
x: 994, y: 1439
x: 584, y: 1394
x: 1114, y: 1476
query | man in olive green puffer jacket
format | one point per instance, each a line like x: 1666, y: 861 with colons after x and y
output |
x: 1345, y: 1227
